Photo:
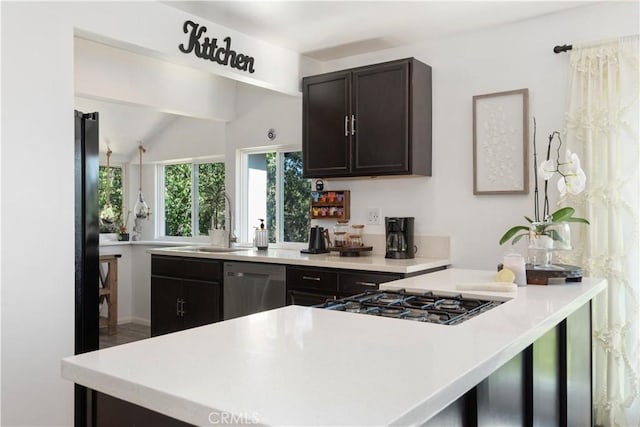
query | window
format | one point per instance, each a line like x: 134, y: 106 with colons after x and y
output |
x: 115, y: 196
x: 276, y: 192
x: 192, y: 201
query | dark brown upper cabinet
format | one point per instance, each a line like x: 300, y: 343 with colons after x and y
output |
x: 368, y: 121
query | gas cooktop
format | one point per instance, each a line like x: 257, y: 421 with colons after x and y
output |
x: 420, y: 307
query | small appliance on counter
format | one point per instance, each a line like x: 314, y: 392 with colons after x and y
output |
x: 317, y: 242
x: 399, y: 237
x: 261, y: 238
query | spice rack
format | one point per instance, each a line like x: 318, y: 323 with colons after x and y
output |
x: 330, y: 204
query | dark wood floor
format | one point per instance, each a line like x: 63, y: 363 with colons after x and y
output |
x: 127, y: 332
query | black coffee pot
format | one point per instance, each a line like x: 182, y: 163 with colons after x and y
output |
x: 399, y: 237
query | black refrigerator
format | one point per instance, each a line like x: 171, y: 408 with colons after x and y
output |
x: 86, y: 249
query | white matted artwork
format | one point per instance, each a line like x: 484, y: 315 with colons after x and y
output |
x: 500, y: 134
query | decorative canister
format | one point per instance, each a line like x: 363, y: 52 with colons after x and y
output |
x: 340, y: 231
x: 355, y: 235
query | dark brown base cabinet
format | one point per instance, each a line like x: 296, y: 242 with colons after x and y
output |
x: 368, y: 121
x: 547, y: 384
x: 113, y: 412
x: 185, y: 293
x: 309, y: 286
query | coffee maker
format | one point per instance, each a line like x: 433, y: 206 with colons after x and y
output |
x: 399, y: 234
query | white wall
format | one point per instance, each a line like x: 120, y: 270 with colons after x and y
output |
x: 113, y: 74
x: 37, y: 242
x: 186, y: 139
x: 37, y: 269
x: 509, y: 57
x: 258, y: 110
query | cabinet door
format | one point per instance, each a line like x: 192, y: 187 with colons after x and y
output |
x: 168, y: 266
x: 201, y: 303
x: 207, y: 270
x: 165, y: 305
x: 312, y: 279
x: 381, y: 108
x: 326, y: 125
x: 359, y: 282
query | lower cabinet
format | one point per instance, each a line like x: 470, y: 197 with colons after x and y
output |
x: 311, y: 286
x: 185, y: 293
x: 547, y: 384
x: 113, y: 412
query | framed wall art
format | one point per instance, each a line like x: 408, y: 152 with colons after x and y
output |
x: 500, y: 141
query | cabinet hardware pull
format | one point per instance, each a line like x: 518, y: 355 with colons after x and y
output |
x: 182, y: 312
x: 178, y: 307
x: 353, y: 124
x: 346, y: 125
x: 366, y: 283
x: 317, y: 279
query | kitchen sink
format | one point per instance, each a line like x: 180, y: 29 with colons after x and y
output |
x: 218, y: 249
x: 213, y: 249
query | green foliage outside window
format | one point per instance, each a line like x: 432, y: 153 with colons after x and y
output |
x: 178, y: 198
x: 271, y: 196
x: 296, y: 201
x: 210, y: 199
x: 115, y: 195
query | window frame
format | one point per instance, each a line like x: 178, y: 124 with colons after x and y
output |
x: 160, y: 231
x: 242, y: 162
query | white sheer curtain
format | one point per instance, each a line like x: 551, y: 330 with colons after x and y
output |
x: 602, y: 127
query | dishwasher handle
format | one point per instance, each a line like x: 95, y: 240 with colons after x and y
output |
x: 245, y: 274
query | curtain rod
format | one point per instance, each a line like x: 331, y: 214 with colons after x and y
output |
x: 563, y: 48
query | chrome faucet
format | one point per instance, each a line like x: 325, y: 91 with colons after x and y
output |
x: 231, y: 238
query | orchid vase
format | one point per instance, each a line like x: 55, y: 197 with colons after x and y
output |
x: 545, y: 237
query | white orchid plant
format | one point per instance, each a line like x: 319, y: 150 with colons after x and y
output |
x: 572, y: 180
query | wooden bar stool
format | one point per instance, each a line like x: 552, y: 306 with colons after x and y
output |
x: 109, y: 292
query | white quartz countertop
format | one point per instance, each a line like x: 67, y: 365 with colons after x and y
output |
x: 294, y: 257
x: 308, y: 366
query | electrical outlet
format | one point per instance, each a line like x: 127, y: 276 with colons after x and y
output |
x: 373, y: 216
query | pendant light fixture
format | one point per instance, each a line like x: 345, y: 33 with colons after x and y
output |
x: 141, y: 209
x: 107, y: 216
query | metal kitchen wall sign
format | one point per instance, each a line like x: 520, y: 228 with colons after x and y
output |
x: 208, y: 49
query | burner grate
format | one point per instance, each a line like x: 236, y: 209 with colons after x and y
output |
x: 420, y: 307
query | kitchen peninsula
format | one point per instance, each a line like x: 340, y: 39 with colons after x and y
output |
x: 301, y: 365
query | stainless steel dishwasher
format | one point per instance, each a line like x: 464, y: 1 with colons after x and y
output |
x: 252, y: 287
